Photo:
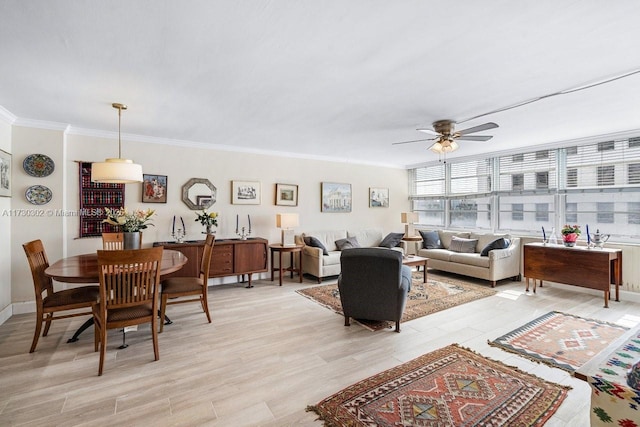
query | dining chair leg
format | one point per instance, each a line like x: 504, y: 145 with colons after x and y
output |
x: 163, y: 307
x: 47, y: 324
x: 154, y: 334
x: 36, y: 334
x: 103, y: 348
x: 205, y: 304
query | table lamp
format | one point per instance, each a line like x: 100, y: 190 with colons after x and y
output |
x: 409, y: 218
x: 286, y: 221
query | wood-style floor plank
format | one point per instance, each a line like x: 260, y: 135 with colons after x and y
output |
x: 267, y: 355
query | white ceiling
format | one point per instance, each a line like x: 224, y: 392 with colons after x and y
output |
x: 339, y: 79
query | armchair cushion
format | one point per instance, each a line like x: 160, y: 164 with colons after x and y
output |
x: 314, y: 242
x: 391, y: 240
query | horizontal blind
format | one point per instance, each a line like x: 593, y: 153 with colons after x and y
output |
x: 472, y: 177
x: 428, y: 181
x: 535, y: 170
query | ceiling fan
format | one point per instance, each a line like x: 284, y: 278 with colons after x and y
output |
x: 445, y: 135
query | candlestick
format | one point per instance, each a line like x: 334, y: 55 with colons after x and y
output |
x: 588, y: 236
x: 236, y: 224
x: 173, y: 228
x: 249, y: 218
x: 183, y: 226
x: 544, y: 235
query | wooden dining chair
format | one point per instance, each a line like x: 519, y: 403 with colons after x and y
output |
x: 53, y: 301
x: 129, y: 282
x: 176, y: 287
x: 112, y: 241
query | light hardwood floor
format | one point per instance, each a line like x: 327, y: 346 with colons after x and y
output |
x: 267, y: 355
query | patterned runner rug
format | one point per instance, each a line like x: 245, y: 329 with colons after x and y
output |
x: 437, y: 294
x: 561, y: 340
x: 452, y: 386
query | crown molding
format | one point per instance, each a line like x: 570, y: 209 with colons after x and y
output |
x: 42, y: 124
x: 7, y: 115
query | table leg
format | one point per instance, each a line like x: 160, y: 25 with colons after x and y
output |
x: 280, y: 266
x: 272, y: 264
x: 424, y: 273
x: 292, y: 265
x: 300, y: 265
x: 249, y: 285
x: 81, y: 329
x: 606, y: 299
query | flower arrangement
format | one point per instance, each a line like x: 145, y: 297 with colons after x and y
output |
x: 129, y: 221
x: 207, y: 219
x: 570, y: 229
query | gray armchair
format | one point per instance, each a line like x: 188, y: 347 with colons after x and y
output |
x: 373, y: 284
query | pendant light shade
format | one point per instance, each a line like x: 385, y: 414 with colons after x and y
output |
x: 117, y: 170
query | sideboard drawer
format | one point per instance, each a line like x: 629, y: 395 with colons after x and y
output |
x: 221, y: 260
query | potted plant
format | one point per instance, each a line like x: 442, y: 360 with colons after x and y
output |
x: 570, y: 234
x: 208, y: 220
x: 130, y: 223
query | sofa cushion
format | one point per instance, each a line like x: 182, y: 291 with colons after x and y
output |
x: 500, y: 243
x: 485, y: 239
x: 446, y: 235
x: 459, y: 244
x: 348, y: 243
x: 328, y: 237
x: 441, y: 254
x: 391, y: 240
x: 314, y: 242
x: 368, y: 238
x: 470, y: 259
x: 430, y: 239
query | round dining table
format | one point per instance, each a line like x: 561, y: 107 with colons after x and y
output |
x: 84, y: 269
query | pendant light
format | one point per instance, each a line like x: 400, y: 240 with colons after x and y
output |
x: 117, y: 171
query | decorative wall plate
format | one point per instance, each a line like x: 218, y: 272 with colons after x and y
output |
x: 38, y: 165
x: 38, y: 195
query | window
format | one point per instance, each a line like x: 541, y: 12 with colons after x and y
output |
x: 606, y: 175
x: 542, y: 154
x: 517, y: 158
x: 542, y: 180
x: 571, y: 213
x: 542, y: 212
x: 517, y: 182
x: 517, y: 212
x: 634, y: 142
x: 430, y: 211
x: 634, y: 173
x: 606, y: 146
x: 634, y: 212
x: 572, y: 177
x: 571, y: 151
x: 605, y: 212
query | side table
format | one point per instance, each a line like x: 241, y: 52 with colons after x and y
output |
x: 293, y: 249
x: 417, y: 261
x: 415, y: 240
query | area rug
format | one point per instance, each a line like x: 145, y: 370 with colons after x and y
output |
x: 561, y: 340
x: 437, y: 294
x: 452, y: 386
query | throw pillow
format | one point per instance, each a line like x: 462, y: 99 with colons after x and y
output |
x: 430, y: 239
x: 348, y: 243
x: 458, y: 244
x: 391, y: 240
x: 500, y: 243
x: 314, y: 242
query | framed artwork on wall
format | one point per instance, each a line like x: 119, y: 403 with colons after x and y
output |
x: 286, y: 195
x: 245, y: 192
x: 378, y: 197
x: 336, y: 197
x: 5, y: 174
x: 154, y: 188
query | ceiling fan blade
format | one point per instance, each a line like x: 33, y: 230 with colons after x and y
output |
x: 478, y: 128
x: 475, y: 137
x: 415, y: 140
x: 429, y: 131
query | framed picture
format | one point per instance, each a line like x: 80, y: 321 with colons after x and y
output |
x: 5, y: 174
x: 378, y: 197
x: 336, y: 197
x: 286, y: 195
x: 245, y: 192
x: 154, y: 188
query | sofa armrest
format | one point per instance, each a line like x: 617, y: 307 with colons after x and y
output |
x: 312, y: 251
x: 500, y: 254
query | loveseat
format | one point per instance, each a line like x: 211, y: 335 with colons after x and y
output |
x: 320, y: 265
x: 487, y: 256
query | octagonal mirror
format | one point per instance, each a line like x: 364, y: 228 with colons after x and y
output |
x: 199, y: 193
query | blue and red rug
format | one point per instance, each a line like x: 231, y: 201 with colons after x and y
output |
x: 452, y: 386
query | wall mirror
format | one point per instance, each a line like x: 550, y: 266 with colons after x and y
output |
x: 199, y: 193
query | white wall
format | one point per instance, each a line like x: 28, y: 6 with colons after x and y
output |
x: 5, y: 233
x: 59, y: 233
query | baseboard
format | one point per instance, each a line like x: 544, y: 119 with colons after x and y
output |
x: 624, y: 295
x: 24, y: 307
x: 6, y: 313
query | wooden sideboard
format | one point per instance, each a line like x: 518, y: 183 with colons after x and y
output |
x: 230, y: 257
x: 579, y: 266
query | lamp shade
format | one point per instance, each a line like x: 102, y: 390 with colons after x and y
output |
x: 116, y: 171
x: 287, y: 220
x: 408, y: 217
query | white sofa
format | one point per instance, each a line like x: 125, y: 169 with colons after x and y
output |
x: 321, y: 266
x: 499, y: 264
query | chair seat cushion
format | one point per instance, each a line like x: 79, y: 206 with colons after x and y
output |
x: 129, y: 313
x: 82, y: 295
x: 181, y: 284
